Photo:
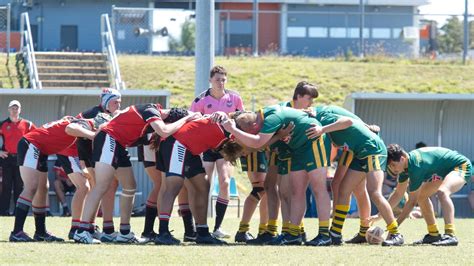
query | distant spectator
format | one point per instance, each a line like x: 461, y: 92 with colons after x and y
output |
x: 62, y: 185
x: 12, y: 130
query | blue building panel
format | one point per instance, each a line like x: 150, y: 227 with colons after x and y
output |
x: 49, y: 15
x: 341, y: 22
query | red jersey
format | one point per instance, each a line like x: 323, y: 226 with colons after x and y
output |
x: 201, y: 135
x: 129, y: 125
x: 70, y: 151
x: 12, y: 132
x: 52, y: 138
x: 90, y: 113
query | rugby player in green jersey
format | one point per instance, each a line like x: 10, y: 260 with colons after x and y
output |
x: 277, y: 184
x: 360, y: 192
x: 426, y: 172
x: 309, y: 162
x: 368, y: 165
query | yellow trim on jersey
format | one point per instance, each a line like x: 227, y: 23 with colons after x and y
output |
x: 377, y: 163
x: 370, y: 161
x: 255, y: 164
x: 316, y: 153
x: 350, y: 156
x: 323, y: 151
x: 464, y: 168
x: 273, y: 157
x: 260, y: 112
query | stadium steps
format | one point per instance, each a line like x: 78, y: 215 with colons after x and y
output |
x: 65, y: 70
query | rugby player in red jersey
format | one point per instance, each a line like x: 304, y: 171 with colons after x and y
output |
x: 33, y: 151
x: 179, y: 158
x: 111, y: 158
x: 110, y: 102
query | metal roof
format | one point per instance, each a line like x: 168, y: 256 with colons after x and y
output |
x: 339, y: 2
x: 76, y: 92
x: 410, y: 96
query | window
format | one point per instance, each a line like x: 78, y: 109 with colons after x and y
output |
x: 337, y: 32
x: 296, y: 32
x: 354, y: 33
x: 396, y: 33
x: 317, y: 32
x: 381, y: 33
x: 240, y: 33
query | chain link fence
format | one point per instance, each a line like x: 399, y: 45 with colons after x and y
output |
x: 148, y: 30
x: 302, y: 30
x: 5, y: 45
x: 5, y: 22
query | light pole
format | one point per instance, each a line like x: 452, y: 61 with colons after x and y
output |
x: 204, y: 44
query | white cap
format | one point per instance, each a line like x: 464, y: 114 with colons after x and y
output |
x: 14, y: 102
x: 107, y: 95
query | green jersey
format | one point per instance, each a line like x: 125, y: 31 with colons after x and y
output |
x: 335, y: 110
x: 430, y: 164
x: 281, y: 147
x: 275, y: 117
x: 358, y: 138
x: 287, y: 104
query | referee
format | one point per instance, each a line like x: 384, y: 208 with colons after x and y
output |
x: 12, y: 130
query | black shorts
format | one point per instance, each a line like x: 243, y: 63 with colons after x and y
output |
x: 68, y: 188
x: 70, y: 164
x: 175, y: 160
x: 211, y: 156
x: 146, y: 155
x: 84, y: 150
x: 30, y: 156
x: 107, y: 150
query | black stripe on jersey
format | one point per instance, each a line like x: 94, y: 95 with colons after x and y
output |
x: 147, y: 111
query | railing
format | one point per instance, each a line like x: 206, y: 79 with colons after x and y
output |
x: 28, y: 51
x: 108, y: 47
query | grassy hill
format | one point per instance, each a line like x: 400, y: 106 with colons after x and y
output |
x: 272, y: 79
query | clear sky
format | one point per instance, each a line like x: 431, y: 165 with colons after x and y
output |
x: 446, y: 7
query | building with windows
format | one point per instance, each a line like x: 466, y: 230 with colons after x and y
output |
x: 320, y: 28
x: 297, y: 27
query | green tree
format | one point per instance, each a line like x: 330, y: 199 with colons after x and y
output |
x: 450, y: 41
x: 187, y: 39
x: 188, y: 35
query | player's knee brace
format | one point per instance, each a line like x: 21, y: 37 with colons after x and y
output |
x: 257, y: 192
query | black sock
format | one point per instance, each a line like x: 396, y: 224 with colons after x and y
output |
x: 150, y: 216
x: 202, y: 229
x: 86, y: 226
x: 164, y: 222
x: 40, y: 223
x: 125, y: 229
x: 188, y: 222
x: 221, y: 207
x: 108, y: 227
x: 21, y: 212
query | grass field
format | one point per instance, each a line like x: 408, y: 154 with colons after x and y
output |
x: 70, y: 253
